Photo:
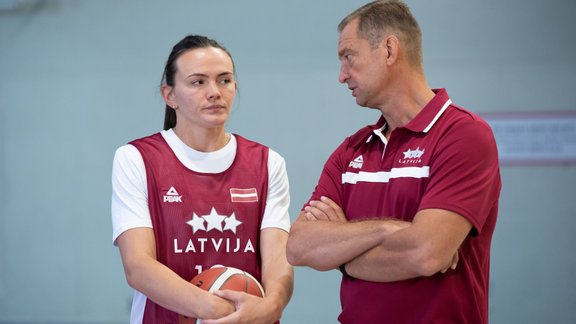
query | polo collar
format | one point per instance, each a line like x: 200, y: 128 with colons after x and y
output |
x: 428, y: 116
x: 425, y: 119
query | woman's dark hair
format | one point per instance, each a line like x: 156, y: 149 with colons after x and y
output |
x: 188, y: 43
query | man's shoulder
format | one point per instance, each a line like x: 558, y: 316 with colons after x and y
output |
x: 362, y: 135
x: 458, y: 117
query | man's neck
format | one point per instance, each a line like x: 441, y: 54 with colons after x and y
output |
x: 407, y: 99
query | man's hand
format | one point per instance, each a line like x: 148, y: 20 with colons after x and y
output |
x: 324, y: 209
x: 452, y: 265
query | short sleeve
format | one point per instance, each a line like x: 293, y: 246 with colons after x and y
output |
x: 464, y: 173
x: 278, y: 201
x: 330, y: 182
x: 129, y: 192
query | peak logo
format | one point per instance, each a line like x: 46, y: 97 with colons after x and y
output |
x: 172, y: 196
x: 412, y: 156
x: 357, y: 162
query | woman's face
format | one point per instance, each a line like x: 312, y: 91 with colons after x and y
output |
x: 204, y: 88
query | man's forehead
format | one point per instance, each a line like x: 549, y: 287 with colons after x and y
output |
x: 349, y: 33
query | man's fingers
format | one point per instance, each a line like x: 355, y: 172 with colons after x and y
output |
x: 455, y: 261
x: 309, y: 216
x: 337, y: 212
x: 318, y: 209
x: 324, y: 209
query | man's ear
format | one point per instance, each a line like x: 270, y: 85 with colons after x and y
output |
x: 391, y: 46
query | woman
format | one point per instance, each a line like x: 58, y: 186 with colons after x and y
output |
x: 194, y: 196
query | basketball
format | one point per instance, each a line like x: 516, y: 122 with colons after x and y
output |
x: 220, y: 278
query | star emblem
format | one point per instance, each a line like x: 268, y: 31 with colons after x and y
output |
x: 418, y: 153
x: 231, y: 223
x: 413, y: 154
x: 197, y: 223
x: 214, y: 220
x: 407, y: 154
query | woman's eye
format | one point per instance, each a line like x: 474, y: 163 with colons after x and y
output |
x: 225, y: 81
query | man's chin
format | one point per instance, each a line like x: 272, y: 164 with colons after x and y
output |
x: 365, y: 104
x: 362, y: 103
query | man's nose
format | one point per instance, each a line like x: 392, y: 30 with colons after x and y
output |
x: 343, y: 76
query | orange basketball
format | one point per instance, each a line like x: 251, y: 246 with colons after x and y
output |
x: 220, y: 278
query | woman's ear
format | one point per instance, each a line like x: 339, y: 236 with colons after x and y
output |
x: 168, y: 96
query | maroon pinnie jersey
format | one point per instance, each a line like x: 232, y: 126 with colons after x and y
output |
x: 204, y: 219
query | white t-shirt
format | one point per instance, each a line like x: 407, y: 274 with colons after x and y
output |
x: 130, y: 191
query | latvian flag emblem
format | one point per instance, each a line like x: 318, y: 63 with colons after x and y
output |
x: 244, y: 195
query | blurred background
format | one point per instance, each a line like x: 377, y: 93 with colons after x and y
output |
x: 78, y: 78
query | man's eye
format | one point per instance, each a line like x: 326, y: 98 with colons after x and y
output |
x: 226, y: 81
x: 198, y: 82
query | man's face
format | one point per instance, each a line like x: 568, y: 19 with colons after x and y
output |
x: 362, y: 68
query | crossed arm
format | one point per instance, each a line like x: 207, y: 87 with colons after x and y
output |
x: 376, y: 250
x: 159, y: 283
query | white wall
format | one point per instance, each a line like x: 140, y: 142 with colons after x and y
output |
x: 78, y: 78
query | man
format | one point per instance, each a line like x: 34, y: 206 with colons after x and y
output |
x: 404, y: 208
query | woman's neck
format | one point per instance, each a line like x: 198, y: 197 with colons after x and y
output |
x: 203, y: 140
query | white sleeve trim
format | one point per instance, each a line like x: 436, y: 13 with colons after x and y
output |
x: 278, y: 201
x: 129, y: 192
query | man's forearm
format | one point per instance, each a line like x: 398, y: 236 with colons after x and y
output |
x: 422, y: 248
x: 325, y: 245
x: 380, y: 264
